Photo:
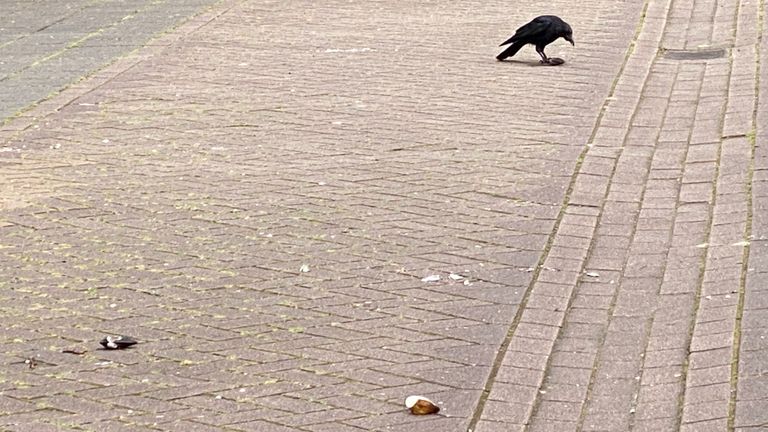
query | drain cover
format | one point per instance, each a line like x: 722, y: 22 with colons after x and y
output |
x: 697, y: 54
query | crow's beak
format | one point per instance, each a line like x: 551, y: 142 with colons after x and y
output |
x: 571, y: 41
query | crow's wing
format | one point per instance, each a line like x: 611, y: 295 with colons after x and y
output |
x: 533, y: 29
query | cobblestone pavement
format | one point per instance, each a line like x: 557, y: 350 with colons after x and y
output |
x: 258, y: 195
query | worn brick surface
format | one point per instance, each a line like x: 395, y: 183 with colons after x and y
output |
x: 257, y: 196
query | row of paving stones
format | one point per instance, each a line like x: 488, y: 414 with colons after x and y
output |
x: 751, y: 410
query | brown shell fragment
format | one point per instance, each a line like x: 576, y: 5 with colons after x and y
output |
x: 419, y: 405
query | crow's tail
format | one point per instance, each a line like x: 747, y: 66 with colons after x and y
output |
x: 510, y: 51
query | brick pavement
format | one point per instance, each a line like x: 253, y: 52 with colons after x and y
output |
x: 604, y: 215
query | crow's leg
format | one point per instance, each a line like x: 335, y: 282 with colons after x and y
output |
x: 544, y: 58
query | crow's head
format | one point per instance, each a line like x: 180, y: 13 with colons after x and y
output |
x: 568, y: 34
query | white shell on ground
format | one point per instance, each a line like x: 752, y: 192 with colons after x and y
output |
x: 410, y: 401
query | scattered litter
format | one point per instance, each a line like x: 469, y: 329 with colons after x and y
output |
x: 419, y: 405
x: 701, y: 245
x: 552, y: 269
x: 467, y: 282
x: 593, y: 274
x: 349, y: 50
x: 431, y: 278
x: 118, y: 342
x: 304, y: 268
x: 31, y: 362
x: 741, y: 243
x: 454, y: 276
x: 526, y: 270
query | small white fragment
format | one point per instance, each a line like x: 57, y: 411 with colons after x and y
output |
x: 113, y: 305
x: 454, y: 276
x: 593, y: 274
x: 467, y: 282
x: 304, y: 268
x: 105, y: 141
x: 217, y: 397
x: 349, y: 50
x: 430, y: 278
x: 410, y: 401
x: 741, y: 243
x: 701, y: 245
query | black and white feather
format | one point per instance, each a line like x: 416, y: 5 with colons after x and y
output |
x: 118, y: 342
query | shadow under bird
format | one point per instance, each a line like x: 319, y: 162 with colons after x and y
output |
x: 541, y: 31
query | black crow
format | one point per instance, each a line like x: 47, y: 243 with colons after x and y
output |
x: 541, y: 32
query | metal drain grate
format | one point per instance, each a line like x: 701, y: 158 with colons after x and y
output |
x: 697, y: 54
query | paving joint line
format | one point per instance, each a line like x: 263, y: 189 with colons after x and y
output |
x: 752, y: 139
